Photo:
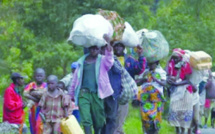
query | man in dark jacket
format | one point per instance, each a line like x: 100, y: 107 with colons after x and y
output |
x: 134, y: 67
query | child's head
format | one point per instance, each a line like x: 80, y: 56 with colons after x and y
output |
x: 74, y: 65
x: 61, y: 85
x: 94, y: 51
x: 52, y: 81
x: 153, y: 65
x: 39, y: 75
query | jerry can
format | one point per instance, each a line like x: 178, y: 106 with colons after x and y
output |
x: 70, y: 126
x: 200, y: 60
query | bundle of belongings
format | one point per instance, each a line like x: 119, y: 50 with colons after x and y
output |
x: 155, y: 47
x: 88, y: 30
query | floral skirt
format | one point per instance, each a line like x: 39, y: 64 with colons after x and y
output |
x: 151, y: 108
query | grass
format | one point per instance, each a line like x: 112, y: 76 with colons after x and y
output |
x: 132, y: 124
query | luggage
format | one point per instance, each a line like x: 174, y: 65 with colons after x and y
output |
x: 155, y: 46
x: 117, y: 22
x: 129, y: 88
x: 200, y: 60
x: 89, y: 29
x: 70, y: 126
x: 130, y: 38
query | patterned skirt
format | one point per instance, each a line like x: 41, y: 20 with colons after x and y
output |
x: 181, y: 111
x: 151, y: 108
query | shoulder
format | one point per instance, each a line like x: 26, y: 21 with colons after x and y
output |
x: 9, y: 89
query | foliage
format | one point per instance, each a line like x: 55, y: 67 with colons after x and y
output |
x: 33, y: 33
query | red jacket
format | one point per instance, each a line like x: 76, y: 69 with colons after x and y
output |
x: 12, y: 109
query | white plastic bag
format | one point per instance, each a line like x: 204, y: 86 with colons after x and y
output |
x: 130, y: 38
x: 88, y: 30
x: 155, y: 46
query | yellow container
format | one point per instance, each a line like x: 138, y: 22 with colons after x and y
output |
x: 200, y: 60
x: 70, y: 126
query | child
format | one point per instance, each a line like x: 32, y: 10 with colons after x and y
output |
x: 54, y: 106
x: 90, y: 85
x: 33, y: 91
x: 151, y: 97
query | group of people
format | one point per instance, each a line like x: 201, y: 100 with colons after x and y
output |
x: 93, y: 90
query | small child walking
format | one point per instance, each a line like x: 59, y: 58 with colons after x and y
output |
x: 54, y: 106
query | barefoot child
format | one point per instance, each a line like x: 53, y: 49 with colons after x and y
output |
x: 33, y: 91
x: 54, y: 106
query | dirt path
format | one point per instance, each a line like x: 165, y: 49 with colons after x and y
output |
x: 208, y: 131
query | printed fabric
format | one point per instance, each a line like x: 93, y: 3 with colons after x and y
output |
x: 35, y: 121
x: 151, y: 105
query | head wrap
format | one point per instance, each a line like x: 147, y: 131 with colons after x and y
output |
x: 178, y: 52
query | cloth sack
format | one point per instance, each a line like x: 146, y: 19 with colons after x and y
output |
x: 117, y: 22
x: 89, y: 29
x: 129, y: 88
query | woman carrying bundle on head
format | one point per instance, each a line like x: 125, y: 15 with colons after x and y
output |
x: 150, y: 98
x: 181, y: 108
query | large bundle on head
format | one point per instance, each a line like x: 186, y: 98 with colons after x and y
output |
x: 200, y: 60
x: 155, y: 46
x: 117, y: 22
x: 129, y: 37
x: 88, y: 30
x: 123, y: 31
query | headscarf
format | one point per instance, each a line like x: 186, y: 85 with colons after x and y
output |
x: 178, y: 52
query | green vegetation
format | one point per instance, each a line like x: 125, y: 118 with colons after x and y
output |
x: 33, y: 33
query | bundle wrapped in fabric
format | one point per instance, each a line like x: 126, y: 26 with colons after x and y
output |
x: 117, y: 22
x: 89, y: 29
x: 155, y: 46
x: 123, y: 31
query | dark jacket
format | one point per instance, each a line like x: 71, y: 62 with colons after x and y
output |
x: 133, y: 66
x: 115, y: 78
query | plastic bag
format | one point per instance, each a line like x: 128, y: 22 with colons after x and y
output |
x: 155, y: 46
x: 129, y: 38
x: 88, y: 30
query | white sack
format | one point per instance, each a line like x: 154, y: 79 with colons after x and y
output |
x: 88, y: 30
